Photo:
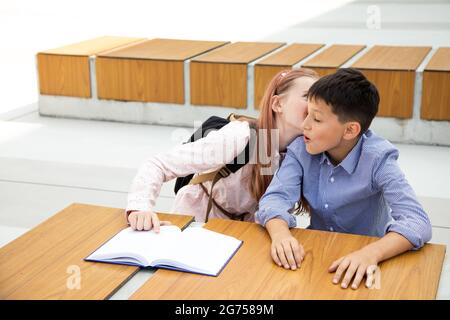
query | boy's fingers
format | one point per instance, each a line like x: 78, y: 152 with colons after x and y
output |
x: 282, y: 257
x: 290, y: 257
x: 299, y: 253
x: 359, y: 276
x: 273, y: 252
x: 335, y: 264
x: 340, y: 270
x: 349, y: 274
x: 302, y: 252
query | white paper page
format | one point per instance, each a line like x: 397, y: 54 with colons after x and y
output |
x: 205, y: 250
x: 146, y: 244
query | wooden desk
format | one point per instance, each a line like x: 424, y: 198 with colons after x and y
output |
x: 219, y: 78
x: 392, y: 70
x: 435, y: 92
x: 150, y: 71
x: 42, y: 263
x: 330, y: 59
x: 251, y: 274
x: 65, y: 71
x: 286, y: 58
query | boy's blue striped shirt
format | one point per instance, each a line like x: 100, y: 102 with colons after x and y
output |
x: 366, y: 193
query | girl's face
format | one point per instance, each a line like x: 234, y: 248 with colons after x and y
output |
x: 293, y: 105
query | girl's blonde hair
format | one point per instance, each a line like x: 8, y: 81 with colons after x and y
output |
x: 278, y: 85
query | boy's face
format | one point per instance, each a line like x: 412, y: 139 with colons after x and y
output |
x: 322, y: 129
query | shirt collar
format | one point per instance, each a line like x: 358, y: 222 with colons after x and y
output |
x: 324, y: 158
x: 350, y: 161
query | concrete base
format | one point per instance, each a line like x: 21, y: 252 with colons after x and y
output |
x: 396, y: 130
x: 131, y: 112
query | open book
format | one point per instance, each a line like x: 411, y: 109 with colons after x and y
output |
x: 195, y: 249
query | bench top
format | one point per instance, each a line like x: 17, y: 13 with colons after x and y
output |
x: 164, y: 49
x: 334, y: 56
x: 440, y: 60
x: 93, y: 46
x: 392, y: 58
x: 290, y: 55
x: 239, y: 52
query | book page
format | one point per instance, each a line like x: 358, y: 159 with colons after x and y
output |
x: 144, y: 246
x: 202, y: 250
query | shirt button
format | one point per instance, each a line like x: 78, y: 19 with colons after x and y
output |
x: 332, y: 179
x: 326, y: 205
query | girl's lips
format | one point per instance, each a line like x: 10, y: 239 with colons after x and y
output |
x: 306, y: 139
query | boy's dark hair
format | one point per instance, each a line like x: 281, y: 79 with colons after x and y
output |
x: 350, y: 95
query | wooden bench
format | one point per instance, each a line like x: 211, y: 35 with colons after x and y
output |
x: 44, y: 262
x: 65, y: 71
x: 435, y: 87
x: 151, y: 71
x: 392, y: 70
x: 333, y: 57
x: 251, y: 273
x: 219, y: 78
x: 286, y: 58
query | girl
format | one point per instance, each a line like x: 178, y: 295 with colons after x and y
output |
x: 283, y: 107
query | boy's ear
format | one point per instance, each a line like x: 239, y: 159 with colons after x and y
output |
x: 352, y: 130
x: 275, y: 104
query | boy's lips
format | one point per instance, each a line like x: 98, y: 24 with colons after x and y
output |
x: 306, y: 139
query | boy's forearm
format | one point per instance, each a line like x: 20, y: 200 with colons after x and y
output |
x: 391, y: 245
x: 276, y: 227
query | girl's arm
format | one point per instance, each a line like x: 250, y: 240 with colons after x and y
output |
x: 206, y: 154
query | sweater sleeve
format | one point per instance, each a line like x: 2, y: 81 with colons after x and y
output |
x: 203, y: 155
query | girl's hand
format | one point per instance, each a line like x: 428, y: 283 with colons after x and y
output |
x: 358, y: 264
x: 145, y: 220
x: 286, y: 251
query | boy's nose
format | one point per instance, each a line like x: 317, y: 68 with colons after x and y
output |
x: 305, y: 124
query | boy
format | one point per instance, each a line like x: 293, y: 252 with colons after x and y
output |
x: 350, y: 179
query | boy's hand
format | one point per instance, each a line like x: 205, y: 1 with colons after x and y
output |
x: 358, y: 264
x: 286, y: 251
x: 145, y: 220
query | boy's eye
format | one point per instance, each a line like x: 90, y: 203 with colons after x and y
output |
x: 316, y: 120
